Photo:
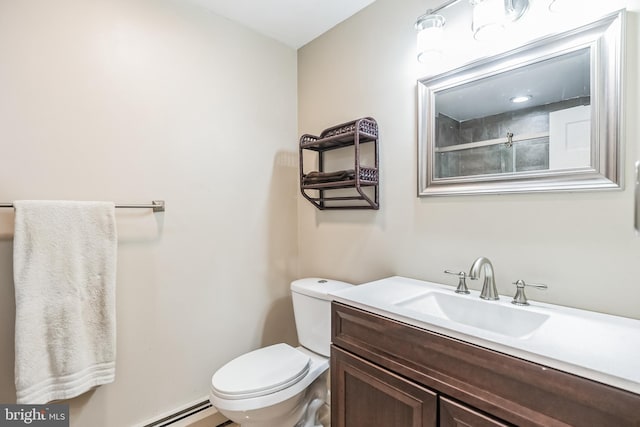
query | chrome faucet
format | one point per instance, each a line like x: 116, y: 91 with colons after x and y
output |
x: 489, y: 290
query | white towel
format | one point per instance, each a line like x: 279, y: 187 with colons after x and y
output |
x: 64, y: 262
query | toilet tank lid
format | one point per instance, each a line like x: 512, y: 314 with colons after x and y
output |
x: 318, y: 287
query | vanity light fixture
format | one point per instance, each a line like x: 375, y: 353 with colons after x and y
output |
x: 563, y: 6
x: 491, y: 16
x: 520, y: 98
x: 489, y: 19
x: 430, y: 29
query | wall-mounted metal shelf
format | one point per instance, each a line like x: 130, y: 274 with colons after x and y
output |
x: 315, y: 186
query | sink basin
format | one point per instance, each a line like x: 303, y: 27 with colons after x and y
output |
x: 598, y: 346
x: 478, y: 313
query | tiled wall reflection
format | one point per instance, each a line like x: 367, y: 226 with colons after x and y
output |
x: 522, y: 156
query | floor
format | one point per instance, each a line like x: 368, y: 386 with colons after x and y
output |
x: 213, y: 422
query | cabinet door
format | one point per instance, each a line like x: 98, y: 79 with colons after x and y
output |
x: 365, y: 395
x: 453, y: 414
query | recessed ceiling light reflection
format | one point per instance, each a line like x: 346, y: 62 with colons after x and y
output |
x: 520, y: 99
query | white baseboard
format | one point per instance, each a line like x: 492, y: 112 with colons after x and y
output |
x: 207, y: 418
x: 195, y: 414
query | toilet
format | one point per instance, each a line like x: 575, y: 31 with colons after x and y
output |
x: 279, y: 385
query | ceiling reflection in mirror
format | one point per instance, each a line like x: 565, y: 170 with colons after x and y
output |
x: 543, y: 117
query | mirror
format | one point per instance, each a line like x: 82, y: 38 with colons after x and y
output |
x: 543, y: 117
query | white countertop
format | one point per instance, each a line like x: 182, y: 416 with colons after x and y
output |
x: 597, y: 346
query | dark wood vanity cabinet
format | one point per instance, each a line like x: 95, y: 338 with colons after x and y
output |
x: 391, y: 374
x: 373, y: 396
x: 366, y: 395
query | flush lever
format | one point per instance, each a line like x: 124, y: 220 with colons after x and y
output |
x: 462, y: 283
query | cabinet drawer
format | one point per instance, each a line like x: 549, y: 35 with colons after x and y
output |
x: 369, y: 396
x: 512, y: 389
x: 454, y: 414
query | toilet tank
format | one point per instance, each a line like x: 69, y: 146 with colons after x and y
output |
x: 312, y: 310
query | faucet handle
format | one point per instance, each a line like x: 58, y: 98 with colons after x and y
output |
x: 462, y: 283
x: 520, y: 298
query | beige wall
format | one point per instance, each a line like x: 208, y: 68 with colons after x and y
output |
x: 581, y: 244
x: 134, y: 100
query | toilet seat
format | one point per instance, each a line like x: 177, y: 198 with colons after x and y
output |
x: 260, y: 372
x: 319, y: 364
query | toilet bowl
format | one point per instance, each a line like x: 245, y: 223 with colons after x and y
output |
x: 279, y: 385
x: 261, y: 397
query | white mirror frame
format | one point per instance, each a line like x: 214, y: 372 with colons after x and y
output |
x: 605, y: 39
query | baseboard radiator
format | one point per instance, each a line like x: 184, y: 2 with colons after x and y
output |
x: 186, y: 416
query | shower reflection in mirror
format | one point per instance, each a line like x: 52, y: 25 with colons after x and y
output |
x: 536, y: 105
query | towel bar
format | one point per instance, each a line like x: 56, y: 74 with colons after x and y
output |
x: 156, y: 205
